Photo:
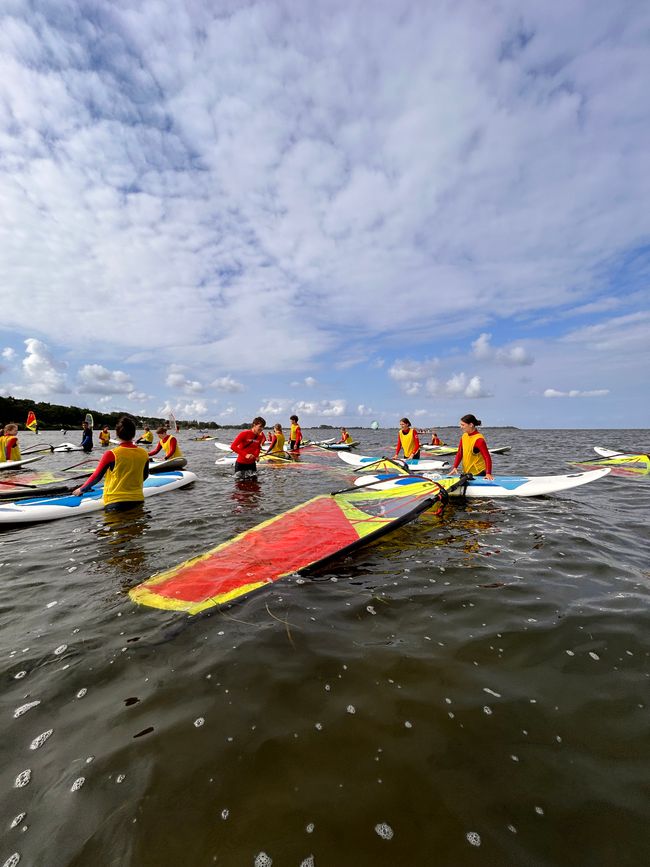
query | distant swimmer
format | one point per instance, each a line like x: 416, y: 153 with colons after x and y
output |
x: 168, y: 443
x: 247, y: 446
x: 472, y: 449
x: 125, y: 467
x: 146, y: 438
x: 9, y: 448
x: 295, y: 434
x: 276, y: 443
x: 407, y: 441
x: 346, y: 439
x: 104, y: 436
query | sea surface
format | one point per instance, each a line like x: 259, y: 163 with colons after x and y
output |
x: 471, y: 690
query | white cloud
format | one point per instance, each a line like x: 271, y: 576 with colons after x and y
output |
x: 364, y: 410
x: 96, y: 379
x: 227, y: 383
x: 325, y: 408
x: 409, y: 370
x: 176, y: 379
x: 8, y: 353
x: 192, y: 409
x: 310, y: 382
x: 458, y: 385
x: 511, y: 356
x: 274, y: 406
x: 574, y: 392
x: 43, y: 375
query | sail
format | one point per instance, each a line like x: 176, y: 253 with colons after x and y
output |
x: 31, y: 423
x: 300, y: 540
x: 89, y: 420
x: 173, y: 424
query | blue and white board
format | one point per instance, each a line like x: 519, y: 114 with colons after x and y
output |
x: 52, y: 508
x: 499, y: 486
x: 16, y: 465
x: 415, y: 466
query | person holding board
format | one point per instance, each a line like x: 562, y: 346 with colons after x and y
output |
x: 125, y: 467
x: 407, y: 441
x: 472, y: 450
x: 246, y: 446
x: 169, y: 445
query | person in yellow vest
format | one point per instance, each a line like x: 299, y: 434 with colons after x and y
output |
x: 346, y: 439
x: 9, y: 448
x: 407, y: 441
x: 472, y: 449
x: 168, y: 444
x: 147, y: 437
x: 295, y: 434
x: 276, y: 446
x: 125, y: 467
x: 104, y: 436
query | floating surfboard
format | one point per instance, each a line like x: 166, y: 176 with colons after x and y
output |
x: 499, y: 486
x: 67, y: 447
x: 51, y: 508
x: 229, y: 460
x: 451, y: 450
x: 16, y: 465
x: 167, y: 465
x: 415, y: 465
x: 337, y: 447
x: 299, y: 540
x: 620, y: 463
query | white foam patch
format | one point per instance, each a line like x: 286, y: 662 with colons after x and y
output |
x: 60, y: 649
x: 17, y: 819
x: 82, y: 692
x: 473, y: 838
x: 24, y: 708
x: 225, y: 813
x: 198, y: 722
x: 308, y: 862
x: 351, y: 708
x: 263, y: 860
x: 310, y: 828
x: 23, y: 779
x: 20, y: 675
x: 12, y: 860
x: 384, y: 830
x: 78, y: 783
x: 40, y: 739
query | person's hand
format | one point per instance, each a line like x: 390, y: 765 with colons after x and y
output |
x: 489, y: 476
x: 76, y: 492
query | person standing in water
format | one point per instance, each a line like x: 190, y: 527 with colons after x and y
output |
x: 9, y: 448
x: 276, y: 442
x: 246, y: 446
x: 104, y: 436
x: 86, y: 437
x: 168, y: 443
x: 472, y: 449
x: 295, y: 434
x: 407, y: 441
x: 126, y: 467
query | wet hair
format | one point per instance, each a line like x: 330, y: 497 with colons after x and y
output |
x: 259, y: 420
x: 125, y: 428
x: 162, y: 430
x: 293, y: 418
x: 471, y: 419
x: 406, y: 421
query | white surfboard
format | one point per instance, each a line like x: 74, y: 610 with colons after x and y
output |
x: 415, y: 466
x: 16, y: 465
x: 500, y: 486
x: 52, y: 508
x: 67, y: 447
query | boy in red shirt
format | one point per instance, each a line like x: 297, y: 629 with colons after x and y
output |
x: 246, y: 446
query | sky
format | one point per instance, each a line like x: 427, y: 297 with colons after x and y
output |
x: 351, y: 211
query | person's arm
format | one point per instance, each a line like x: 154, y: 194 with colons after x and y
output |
x: 107, y: 462
x: 272, y: 443
x: 458, y: 458
x: 298, y: 435
x: 416, y: 442
x: 156, y: 450
x: 398, y: 446
x: 173, y: 442
x: 10, y: 442
x: 481, y: 445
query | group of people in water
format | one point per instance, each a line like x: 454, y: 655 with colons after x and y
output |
x: 125, y: 466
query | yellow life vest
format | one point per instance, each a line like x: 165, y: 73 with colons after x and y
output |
x: 166, y: 443
x: 278, y: 447
x: 473, y: 462
x: 348, y: 439
x: 104, y: 438
x: 123, y: 483
x: 407, y: 441
x: 147, y: 437
x: 14, y: 454
x: 294, y: 430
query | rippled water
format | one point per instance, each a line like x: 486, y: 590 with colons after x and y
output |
x: 471, y: 690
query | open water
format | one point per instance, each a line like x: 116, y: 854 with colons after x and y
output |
x: 472, y: 690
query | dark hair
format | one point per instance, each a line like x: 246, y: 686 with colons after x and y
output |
x: 125, y: 428
x: 405, y: 420
x: 293, y: 418
x: 161, y: 430
x: 259, y: 420
x: 471, y: 419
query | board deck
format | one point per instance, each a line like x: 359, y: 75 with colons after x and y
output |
x: 415, y: 465
x: 52, y: 508
x: 500, y: 486
x: 451, y: 450
x: 16, y: 465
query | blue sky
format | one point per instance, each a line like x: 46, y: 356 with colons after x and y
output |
x: 348, y: 210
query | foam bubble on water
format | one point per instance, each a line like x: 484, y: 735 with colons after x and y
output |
x: 23, y: 779
x: 24, y: 708
x: 52, y: 604
x: 82, y: 692
x: 408, y: 724
x: 60, y: 649
x: 487, y: 710
x: 78, y: 783
x: 569, y: 653
x: 515, y: 758
x: 90, y: 759
x: 327, y: 687
x: 12, y: 860
x: 473, y: 838
x: 539, y: 811
x: 225, y: 813
x: 263, y: 860
x: 198, y: 722
x: 120, y: 778
x: 20, y: 675
x: 594, y: 655
x: 17, y: 820
x: 370, y: 609
x: 384, y: 830
x: 491, y: 692
x: 310, y: 828
x: 351, y: 708
x: 40, y: 740
x: 308, y: 862
x: 318, y: 726
x: 448, y: 701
